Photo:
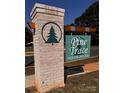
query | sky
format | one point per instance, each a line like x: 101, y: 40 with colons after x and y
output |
x: 73, y: 8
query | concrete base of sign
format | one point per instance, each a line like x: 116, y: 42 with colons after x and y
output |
x: 49, y: 57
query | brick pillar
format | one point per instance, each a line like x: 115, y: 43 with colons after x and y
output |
x: 48, y: 57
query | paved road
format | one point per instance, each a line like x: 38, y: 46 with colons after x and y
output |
x: 28, y: 60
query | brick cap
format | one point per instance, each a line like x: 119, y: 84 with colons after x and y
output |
x: 44, y: 6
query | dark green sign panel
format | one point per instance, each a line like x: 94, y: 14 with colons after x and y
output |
x: 77, y: 47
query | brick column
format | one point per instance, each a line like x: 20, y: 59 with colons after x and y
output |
x: 49, y: 58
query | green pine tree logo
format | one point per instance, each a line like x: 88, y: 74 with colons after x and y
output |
x: 52, y: 38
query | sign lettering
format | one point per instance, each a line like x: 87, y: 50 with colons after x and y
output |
x: 77, y: 47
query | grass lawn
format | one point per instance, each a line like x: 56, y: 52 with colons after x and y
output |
x: 86, y: 83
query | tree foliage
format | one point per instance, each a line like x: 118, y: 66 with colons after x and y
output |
x: 28, y: 36
x: 90, y: 17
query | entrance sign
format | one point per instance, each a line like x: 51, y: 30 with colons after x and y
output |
x: 48, y: 47
x: 77, y: 47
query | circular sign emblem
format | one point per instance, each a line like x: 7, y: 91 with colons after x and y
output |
x: 51, y: 33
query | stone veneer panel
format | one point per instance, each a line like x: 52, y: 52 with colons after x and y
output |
x: 49, y: 60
